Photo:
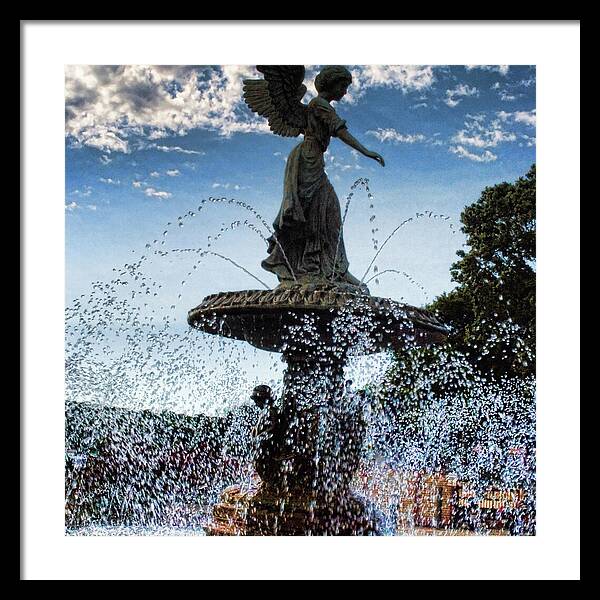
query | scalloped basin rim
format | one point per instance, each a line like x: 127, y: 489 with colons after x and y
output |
x: 260, y: 317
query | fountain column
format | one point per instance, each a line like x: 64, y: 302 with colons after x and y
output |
x: 306, y: 474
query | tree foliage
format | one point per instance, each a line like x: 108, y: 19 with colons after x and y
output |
x: 492, y: 310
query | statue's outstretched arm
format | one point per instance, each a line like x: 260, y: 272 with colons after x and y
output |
x: 346, y: 137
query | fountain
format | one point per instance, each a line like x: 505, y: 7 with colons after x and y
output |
x: 314, y: 447
x: 160, y: 439
x: 309, y: 440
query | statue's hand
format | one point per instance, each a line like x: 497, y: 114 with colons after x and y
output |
x: 377, y: 157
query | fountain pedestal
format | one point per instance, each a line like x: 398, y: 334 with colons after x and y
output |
x: 309, y: 447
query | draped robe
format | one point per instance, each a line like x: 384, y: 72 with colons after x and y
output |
x: 308, y: 228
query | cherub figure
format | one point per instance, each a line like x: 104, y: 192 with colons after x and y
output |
x: 269, y: 434
x: 307, y: 245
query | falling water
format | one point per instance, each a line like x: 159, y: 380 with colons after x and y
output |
x: 419, y: 215
x: 159, y: 421
x: 409, y: 277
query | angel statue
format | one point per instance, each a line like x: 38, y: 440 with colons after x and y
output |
x: 307, y: 245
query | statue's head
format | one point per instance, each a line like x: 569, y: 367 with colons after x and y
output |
x: 262, y: 395
x: 334, y: 80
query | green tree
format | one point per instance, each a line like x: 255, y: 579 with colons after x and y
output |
x: 492, y: 310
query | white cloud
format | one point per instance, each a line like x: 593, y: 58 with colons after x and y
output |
x: 157, y: 134
x: 110, y: 181
x: 506, y: 97
x: 138, y: 184
x: 502, y: 69
x: 479, y: 134
x: 155, y: 174
x: 173, y: 172
x: 86, y: 191
x: 177, y: 149
x: 102, y: 138
x: 152, y: 193
x: 487, y: 139
x: 106, y: 105
x: 105, y: 160
x: 227, y: 186
x: 71, y: 206
x: 526, y: 82
x: 406, y: 78
x: 528, y: 117
x: 530, y: 140
x: 476, y: 118
x: 462, y: 152
x: 391, y: 135
x: 462, y: 90
x: 109, y: 107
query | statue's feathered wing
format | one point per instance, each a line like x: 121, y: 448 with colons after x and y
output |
x: 278, y: 98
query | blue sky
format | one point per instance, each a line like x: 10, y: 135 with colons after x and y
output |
x: 145, y: 145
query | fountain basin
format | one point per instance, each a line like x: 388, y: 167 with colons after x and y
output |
x: 307, y: 316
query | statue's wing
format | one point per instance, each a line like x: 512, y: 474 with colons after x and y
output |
x: 278, y: 98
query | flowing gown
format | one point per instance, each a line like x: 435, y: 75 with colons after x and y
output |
x: 308, y: 227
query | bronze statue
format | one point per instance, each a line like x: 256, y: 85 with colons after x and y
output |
x: 307, y: 245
